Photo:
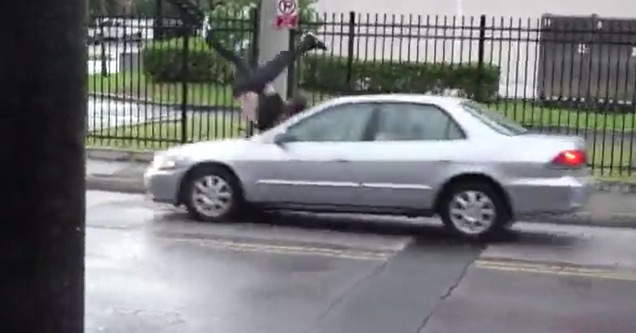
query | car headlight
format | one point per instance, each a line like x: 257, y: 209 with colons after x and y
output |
x: 167, y: 162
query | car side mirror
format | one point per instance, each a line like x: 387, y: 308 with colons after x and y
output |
x: 283, y: 138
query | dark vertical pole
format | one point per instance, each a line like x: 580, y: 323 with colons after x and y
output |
x: 479, y: 96
x: 254, y: 19
x: 102, y: 46
x: 254, y: 53
x: 159, y: 30
x: 350, y: 50
x: 185, y: 71
x: 42, y: 147
x: 291, y: 70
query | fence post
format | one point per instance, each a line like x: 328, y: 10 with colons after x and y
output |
x: 350, y: 51
x: 254, y: 20
x: 102, y: 46
x: 254, y: 51
x: 291, y: 70
x: 184, y: 84
x: 158, y: 23
x: 480, y: 59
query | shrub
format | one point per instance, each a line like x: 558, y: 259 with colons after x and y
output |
x: 329, y: 75
x: 163, y: 62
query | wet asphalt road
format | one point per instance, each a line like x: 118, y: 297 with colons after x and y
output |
x: 150, y: 270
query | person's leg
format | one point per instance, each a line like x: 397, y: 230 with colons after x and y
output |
x: 269, y: 71
x: 243, y: 68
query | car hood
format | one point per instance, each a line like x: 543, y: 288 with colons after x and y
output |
x: 210, y: 150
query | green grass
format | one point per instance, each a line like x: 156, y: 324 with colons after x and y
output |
x: 161, y: 135
x: 529, y: 114
x: 137, y: 85
x: 612, y: 160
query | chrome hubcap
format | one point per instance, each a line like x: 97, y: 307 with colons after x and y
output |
x: 472, y: 212
x: 212, y: 196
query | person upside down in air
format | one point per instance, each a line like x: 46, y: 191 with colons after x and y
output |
x: 252, y: 86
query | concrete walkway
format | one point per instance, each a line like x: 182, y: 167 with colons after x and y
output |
x: 122, y: 172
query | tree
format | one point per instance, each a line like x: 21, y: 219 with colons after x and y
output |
x: 232, y: 20
x: 42, y: 152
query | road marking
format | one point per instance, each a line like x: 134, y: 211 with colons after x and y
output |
x: 556, y: 269
x: 285, y: 249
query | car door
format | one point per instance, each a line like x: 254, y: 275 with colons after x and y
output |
x: 413, y: 147
x: 314, y: 168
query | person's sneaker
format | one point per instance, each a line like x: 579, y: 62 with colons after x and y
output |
x: 312, y: 42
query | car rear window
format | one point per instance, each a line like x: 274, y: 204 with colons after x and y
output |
x: 493, y: 119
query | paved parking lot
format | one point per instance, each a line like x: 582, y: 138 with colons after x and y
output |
x: 151, y: 270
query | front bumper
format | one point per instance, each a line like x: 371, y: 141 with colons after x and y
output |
x: 550, y: 195
x: 164, y: 185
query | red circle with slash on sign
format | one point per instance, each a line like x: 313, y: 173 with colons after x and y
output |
x: 287, y: 6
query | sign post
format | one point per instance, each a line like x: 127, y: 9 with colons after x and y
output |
x: 287, y: 14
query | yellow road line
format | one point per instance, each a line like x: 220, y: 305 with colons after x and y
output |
x: 285, y: 249
x: 556, y: 269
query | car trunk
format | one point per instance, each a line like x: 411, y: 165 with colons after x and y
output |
x: 543, y: 149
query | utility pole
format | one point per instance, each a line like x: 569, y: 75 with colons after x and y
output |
x: 42, y: 118
x: 272, y: 40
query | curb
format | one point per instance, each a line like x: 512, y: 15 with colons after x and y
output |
x: 136, y: 186
x: 126, y: 155
x: 119, y: 155
x: 586, y: 219
x: 131, y: 186
x: 115, y: 184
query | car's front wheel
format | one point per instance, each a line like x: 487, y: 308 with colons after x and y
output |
x: 212, y: 194
x: 474, y: 210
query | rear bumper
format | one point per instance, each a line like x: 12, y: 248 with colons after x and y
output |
x: 550, y: 195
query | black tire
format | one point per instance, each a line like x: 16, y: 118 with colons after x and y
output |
x: 236, y: 205
x: 502, y: 216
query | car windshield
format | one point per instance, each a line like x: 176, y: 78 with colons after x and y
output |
x: 494, y: 119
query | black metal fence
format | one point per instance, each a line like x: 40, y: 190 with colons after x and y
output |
x: 561, y: 75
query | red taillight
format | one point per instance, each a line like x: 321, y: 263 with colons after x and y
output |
x: 570, y: 158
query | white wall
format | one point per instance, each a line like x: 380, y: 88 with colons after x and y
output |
x: 515, y: 8
x: 515, y: 52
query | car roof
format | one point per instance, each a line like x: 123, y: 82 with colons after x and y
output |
x: 408, y: 98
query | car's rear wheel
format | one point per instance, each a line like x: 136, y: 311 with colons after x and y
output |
x: 474, y: 210
x: 213, y: 194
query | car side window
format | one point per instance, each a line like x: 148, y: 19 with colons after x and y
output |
x: 415, y: 122
x: 340, y: 123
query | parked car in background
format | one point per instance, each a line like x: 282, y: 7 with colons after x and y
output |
x: 397, y: 154
x: 116, y: 29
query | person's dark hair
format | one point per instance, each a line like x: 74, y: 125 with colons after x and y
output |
x: 297, y: 104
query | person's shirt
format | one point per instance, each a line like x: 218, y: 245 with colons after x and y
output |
x: 249, y: 106
x: 250, y: 103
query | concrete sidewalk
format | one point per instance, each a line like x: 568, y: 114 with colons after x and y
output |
x: 115, y: 176
x: 612, y: 205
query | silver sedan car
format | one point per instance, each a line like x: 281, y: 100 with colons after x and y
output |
x: 394, y: 154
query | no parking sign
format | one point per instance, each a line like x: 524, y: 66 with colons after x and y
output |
x: 287, y: 14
